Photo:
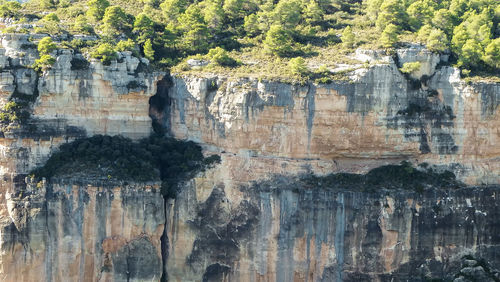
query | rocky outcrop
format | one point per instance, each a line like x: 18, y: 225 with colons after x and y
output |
x: 378, y: 117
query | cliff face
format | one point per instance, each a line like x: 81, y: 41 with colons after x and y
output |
x: 378, y: 117
x: 84, y: 233
x: 279, y: 230
x: 77, y: 233
x: 250, y: 218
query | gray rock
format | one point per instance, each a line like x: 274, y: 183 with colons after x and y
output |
x: 197, y: 63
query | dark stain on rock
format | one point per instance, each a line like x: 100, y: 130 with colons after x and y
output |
x: 221, y: 230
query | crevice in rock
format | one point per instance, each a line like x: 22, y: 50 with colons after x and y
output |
x: 159, y: 106
x: 164, y: 241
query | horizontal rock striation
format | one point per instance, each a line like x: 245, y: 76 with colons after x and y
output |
x: 379, y: 116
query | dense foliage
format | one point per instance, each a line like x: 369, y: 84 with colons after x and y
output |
x: 402, y: 176
x: 119, y: 158
x: 322, y: 31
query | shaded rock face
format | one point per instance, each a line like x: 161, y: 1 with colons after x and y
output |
x: 85, y: 233
x: 278, y: 230
x: 381, y: 116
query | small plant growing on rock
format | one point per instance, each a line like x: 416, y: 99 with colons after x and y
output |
x: 44, y: 63
x: 410, y: 67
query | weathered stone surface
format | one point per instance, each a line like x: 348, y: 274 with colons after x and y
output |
x: 87, y: 233
x: 380, y: 116
x: 278, y: 230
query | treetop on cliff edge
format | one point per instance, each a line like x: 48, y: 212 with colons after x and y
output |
x: 259, y: 33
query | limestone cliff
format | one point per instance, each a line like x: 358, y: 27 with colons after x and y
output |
x: 379, y: 116
x: 251, y: 218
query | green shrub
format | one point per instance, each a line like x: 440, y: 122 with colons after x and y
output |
x: 44, y: 63
x: 104, y: 52
x: 278, y: 41
x: 220, y: 57
x: 46, y: 46
x: 298, y: 66
x: 410, y: 67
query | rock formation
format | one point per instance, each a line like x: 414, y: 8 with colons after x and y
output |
x: 251, y: 218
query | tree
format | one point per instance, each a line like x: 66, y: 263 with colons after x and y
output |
x: 10, y: 9
x: 220, y: 57
x: 460, y: 36
x: 313, y: 13
x: 389, y: 36
x: 298, y: 66
x: 213, y: 15
x: 105, y: 53
x: 288, y: 13
x: 149, y: 52
x: 470, y: 55
x: 348, y: 38
x: 373, y: 8
x: 48, y: 4
x: 391, y: 12
x: 96, y: 9
x: 172, y: 9
x: 44, y: 63
x: 443, y: 20
x: 420, y: 12
x: 114, y: 21
x: 196, y: 35
x: 410, y: 67
x: 81, y: 25
x: 437, y: 41
x: 143, y: 27
x: 126, y: 45
x: 492, y: 54
x: 233, y: 9
x: 423, y: 33
x: 251, y: 25
x: 278, y: 41
x: 46, y: 46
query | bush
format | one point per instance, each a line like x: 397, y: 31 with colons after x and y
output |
x: 348, y: 38
x: 105, y: 53
x: 119, y: 158
x: 298, y: 66
x: 44, y: 63
x: 410, y: 67
x: 278, y: 41
x: 220, y: 57
x: 46, y: 46
x: 389, y: 36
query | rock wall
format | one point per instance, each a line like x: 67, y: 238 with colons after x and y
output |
x: 283, y: 230
x: 68, y: 232
x: 250, y: 218
x: 379, y: 116
x: 74, y: 233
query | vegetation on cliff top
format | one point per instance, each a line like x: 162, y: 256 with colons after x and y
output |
x: 119, y: 158
x: 261, y: 36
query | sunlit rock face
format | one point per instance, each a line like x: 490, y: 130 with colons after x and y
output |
x: 379, y: 116
x: 250, y: 218
x: 74, y: 233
